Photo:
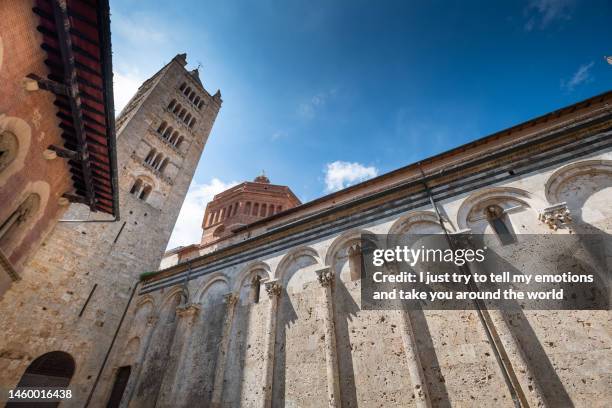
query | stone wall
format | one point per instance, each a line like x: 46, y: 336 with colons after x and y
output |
x: 77, y: 286
x: 306, y: 342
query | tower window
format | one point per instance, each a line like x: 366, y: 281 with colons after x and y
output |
x: 136, y: 186
x: 247, y: 208
x: 162, y: 127
x: 500, y: 223
x: 255, y: 209
x: 146, y: 191
x: 264, y: 208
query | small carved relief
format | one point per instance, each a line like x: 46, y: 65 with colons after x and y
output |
x: 556, y: 216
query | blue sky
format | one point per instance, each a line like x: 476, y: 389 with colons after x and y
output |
x: 323, y: 94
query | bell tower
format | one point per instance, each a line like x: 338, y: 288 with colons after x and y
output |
x: 79, y: 283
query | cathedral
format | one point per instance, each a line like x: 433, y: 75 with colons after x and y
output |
x: 266, y: 310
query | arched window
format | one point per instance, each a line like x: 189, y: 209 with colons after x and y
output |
x: 271, y: 210
x: 191, y: 96
x: 188, y: 117
x: 53, y: 370
x: 247, y: 208
x: 146, y: 191
x: 150, y: 157
x: 264, y: 208
x: 498, y: 220
x: 187, y: 91
x: 162, y: 127
x: 171, y: 104
x: 8, y: 149
x: 235, y: 208
x: 182, y: 87
x: 177, y: 108
x: 155, y: 163
x: 179, y: 141
x: 196, y: 100
x: 279, y: 208
x: 121, y: 381
x: 168, y: 132
x: 163, y: 164
x: 193, y: 121
x: 255, y: 288
x: 354, y: 258
x: 182, y: 114
x: 20, y: 216
x: 201, y: 104
x: 255, y: 209
x: 219, y: 231
x: 174, y: 137
x: 136, y: 187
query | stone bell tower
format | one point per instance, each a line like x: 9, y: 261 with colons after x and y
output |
x: 80, y: 281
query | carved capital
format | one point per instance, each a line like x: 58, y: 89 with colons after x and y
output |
x: 152, y: 320
x: 273, y: 288
x: 556, y: 216
x: 231, y: 299
x: 189, y: 310
x: 325, y: 276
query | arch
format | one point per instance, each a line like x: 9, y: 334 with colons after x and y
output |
x: 162, y: 127
x: 150, y: 155
x: 178, y: 141
x: 291, y: 256
x: 136, y: 186
x: 192, y: 123
x: 187, y: 91
x: 53, y: 369
x: 174, y: 137
x: 171, y: 104
x: 23, y: 135
x: 182, y: 113
x: 191, y: 96
x: 201, y: 104
x: 341, y: 241
x: 163, y: 164
x: 170, y: 296
x: 143, y: 301
x: 182, y: 87
x: 196, y: 100
x: 480, y: 198
x: 188, y: 117
x: 247, y: 271
x: 177, y: 108
x: 560, y: 177
x: 408, y: 221
x: 213, y: 278
x: 255, y: 209
x: 146, y: 191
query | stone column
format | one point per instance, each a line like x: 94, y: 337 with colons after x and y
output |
x: 415, y: 369
x: 273, y: 288
x: 326, y: 279
x: 135, y: 377
x: 170, y: 392
x: 230, y: 300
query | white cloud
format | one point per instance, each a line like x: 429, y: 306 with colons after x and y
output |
x: 310, y: 108
x: 124, y: 87
x: 187, y: 229
x: 581, y: 76
x: 341, y: 174
x: 543, y: 13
